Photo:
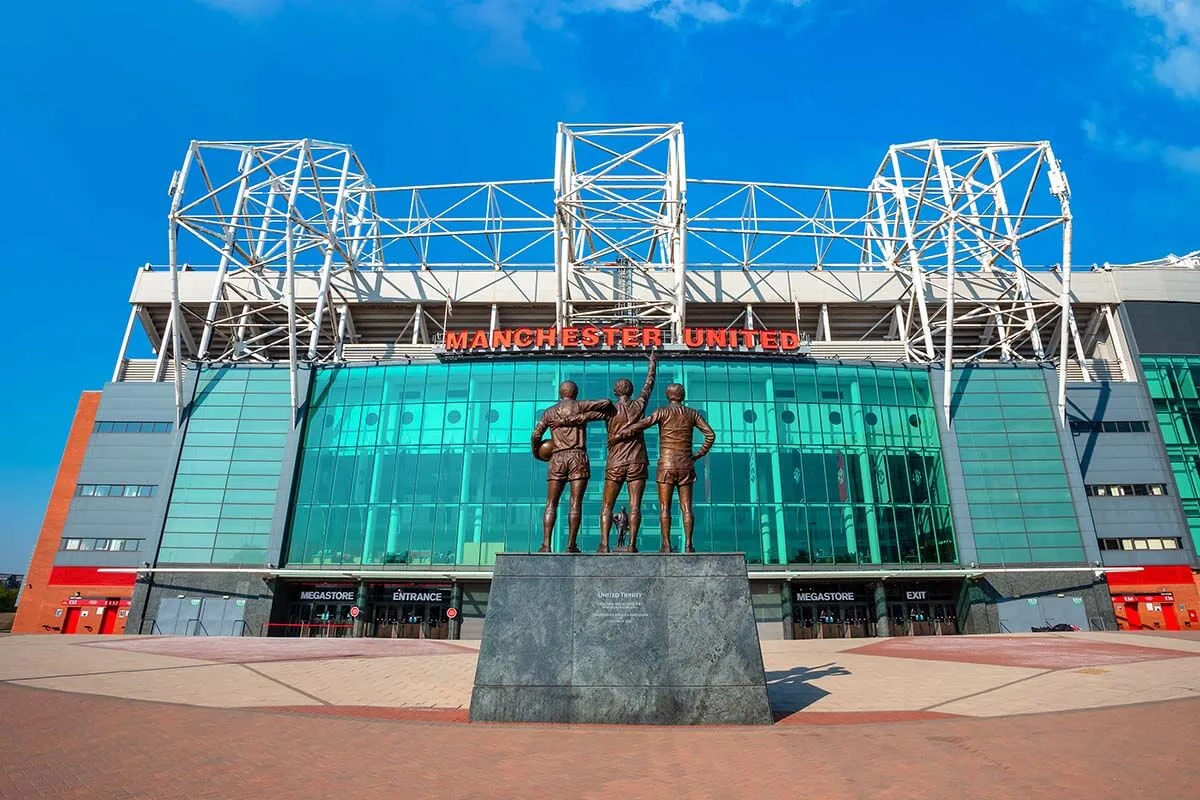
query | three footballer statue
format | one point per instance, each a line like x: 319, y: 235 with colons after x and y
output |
x: 628, y: 463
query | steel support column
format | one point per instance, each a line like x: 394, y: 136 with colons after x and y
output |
x: 177, y: 190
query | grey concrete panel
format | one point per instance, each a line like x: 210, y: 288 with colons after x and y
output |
x: 137, y: 402
x: 617, y: 639
x: 100, y: 558
x: 978, y: 603
x: 1022, y: 615
x: 1164, y: 328
x: 148, y: 591
x: 140, y: 459
x: 1144, y: 558
x: 1087, y: 530
x: 1109, y: 400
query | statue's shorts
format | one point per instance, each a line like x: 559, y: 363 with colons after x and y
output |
x: 623, y: 473
x: 676, y: 476
x: 569, y: 465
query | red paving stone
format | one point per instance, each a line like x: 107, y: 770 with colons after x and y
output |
x: 247, y: 650
x: 1050, y: 652
x: 62, y: 745
x: 860, y: 717
x: 373, y: 712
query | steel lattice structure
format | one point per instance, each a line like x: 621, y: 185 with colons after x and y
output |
x: 628, y: 237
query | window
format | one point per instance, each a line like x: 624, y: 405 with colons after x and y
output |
x: 1151, y: 543
x: 1126, y: 490
x: 134, y: 427
x: 398, y: 465
x: 1106, y: 426
x: 110, y: 545
x: 114, y: 490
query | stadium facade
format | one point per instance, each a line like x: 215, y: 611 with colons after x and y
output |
x: 928, y: 420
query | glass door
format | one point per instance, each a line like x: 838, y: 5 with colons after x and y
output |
x: 385, y: 623
x: 804, y: 625
x: 858, y: 623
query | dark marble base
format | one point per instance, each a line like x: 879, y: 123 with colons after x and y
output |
x: 620, y: 639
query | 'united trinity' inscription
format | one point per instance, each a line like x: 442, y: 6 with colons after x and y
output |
x: 620, y: 605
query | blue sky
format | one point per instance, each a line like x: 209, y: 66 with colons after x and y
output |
x: 99, y: 100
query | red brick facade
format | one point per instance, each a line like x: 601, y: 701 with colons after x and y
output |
x: 1156, y: 598
x: 45, y: 600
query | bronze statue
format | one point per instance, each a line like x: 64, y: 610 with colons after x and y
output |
x: 628, y: 463
x: 567, y: 422
x: 676, y: 461
x: 621, y: 520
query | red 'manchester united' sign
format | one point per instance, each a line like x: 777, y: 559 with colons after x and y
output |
x: 588, y: 338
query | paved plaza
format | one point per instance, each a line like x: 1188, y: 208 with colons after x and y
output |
x: 1052, y: 715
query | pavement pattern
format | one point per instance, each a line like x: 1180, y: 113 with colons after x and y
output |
x: 1052, y: 715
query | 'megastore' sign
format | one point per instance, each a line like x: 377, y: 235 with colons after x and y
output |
x: 597, y: 338
x: 330, y: 594
x: 823, y: 597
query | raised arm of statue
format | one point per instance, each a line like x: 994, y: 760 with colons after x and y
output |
x: 648, y: 386
x: 709, y: 437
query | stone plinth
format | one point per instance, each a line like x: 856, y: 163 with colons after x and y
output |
x: 620, y: 639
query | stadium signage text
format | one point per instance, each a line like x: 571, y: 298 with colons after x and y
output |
x: 819, y: 597
x: 594, y: 338
x: 327, y: 595
x: 434, y: 596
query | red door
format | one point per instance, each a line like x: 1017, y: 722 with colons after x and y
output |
x: 1169, y: 619
x: 108, y: 623
x: 1133, y: 617
x: 71, y: 623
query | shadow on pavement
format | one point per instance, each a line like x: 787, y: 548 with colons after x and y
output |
x: 790, y: 690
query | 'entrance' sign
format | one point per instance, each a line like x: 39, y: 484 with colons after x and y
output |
x: 422, y: 596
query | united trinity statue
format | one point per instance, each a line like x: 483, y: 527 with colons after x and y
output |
x: 628, y: 462
x: 676, y: 461
x: 567, y: 453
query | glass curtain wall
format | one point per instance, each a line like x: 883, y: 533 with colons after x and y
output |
x: 224, y: 495
x: 1013, y: 470
x: 430, y: 464
x: 1173, y: 382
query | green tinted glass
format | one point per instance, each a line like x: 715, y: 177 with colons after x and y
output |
x: 1174, y: 383
x: 430, y: 464
x: 229, y: 468
x: 1013, y: 468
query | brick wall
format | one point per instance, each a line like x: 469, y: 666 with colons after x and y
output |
x: 40, y: 600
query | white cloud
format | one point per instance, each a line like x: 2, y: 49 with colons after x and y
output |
x: 1177, y: 157
x: 1177, y: 60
